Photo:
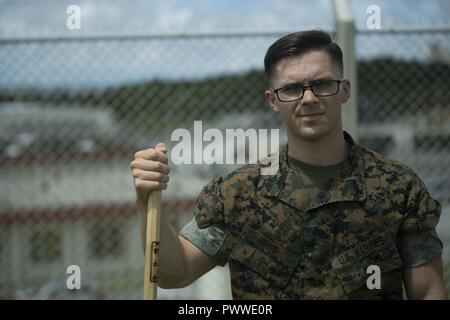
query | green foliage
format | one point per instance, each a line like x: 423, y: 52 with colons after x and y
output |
x: 407, y: 87
x: 383, y: 82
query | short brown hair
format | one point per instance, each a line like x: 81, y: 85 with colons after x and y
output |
x: 299, y: 43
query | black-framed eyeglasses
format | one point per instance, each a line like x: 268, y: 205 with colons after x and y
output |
x: 320, y: 88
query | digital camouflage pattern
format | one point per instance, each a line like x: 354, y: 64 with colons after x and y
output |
x: 282, y: 244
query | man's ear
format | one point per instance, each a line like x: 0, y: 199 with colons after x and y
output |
x: 345, y: 90
x: 271, y: 100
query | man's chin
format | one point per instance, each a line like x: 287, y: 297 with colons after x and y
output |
x: 312, y: 134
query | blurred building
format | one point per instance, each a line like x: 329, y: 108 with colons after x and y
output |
x: 65, y: 197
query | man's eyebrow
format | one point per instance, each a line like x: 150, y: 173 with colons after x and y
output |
x: 326, y: 78
x: 292, y: 84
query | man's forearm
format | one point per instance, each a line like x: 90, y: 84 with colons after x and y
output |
x: 436, y: 296
x: 425, y: 282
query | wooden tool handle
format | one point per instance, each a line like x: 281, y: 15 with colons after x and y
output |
x: 152, y: 245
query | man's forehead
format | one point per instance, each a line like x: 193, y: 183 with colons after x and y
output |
x: 308, y: 66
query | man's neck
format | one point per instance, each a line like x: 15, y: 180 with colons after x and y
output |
x: 329, y: 150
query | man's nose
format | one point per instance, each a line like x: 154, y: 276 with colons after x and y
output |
x: 308, y: 97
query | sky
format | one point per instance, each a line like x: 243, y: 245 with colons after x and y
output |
x: 81, y: 64
x: 30, y: 17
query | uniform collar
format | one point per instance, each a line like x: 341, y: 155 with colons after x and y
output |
x: 285, y: 184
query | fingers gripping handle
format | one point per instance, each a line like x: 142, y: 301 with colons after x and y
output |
x: 152, y: 245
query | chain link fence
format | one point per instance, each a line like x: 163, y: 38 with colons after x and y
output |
x: 404, y: 108
x: 74, y: 111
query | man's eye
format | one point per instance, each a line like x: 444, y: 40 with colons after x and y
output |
x: 324, y: 84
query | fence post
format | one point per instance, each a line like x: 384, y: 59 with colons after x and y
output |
x: 345, y: 38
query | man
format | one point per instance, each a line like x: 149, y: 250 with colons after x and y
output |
x: 337, y: 221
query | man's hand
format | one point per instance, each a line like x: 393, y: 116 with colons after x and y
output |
x: 425, y: 282
x: 150, y: 171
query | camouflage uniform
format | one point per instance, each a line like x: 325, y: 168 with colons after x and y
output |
x: 282, y: 244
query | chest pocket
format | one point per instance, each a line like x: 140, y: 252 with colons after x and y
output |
x: 351, y: 267
x: 263, y: 256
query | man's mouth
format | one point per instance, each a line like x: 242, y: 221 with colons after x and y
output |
x: 310, y: 115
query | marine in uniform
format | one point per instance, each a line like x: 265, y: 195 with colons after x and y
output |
x: 333, y: 211
x: 285, y: 238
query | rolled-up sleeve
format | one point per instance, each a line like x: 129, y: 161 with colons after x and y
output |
x: 419, y: 242
x: 207, y: 230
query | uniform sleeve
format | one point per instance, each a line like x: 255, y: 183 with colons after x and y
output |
x: 419, y: 243
x: 207, y: 230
